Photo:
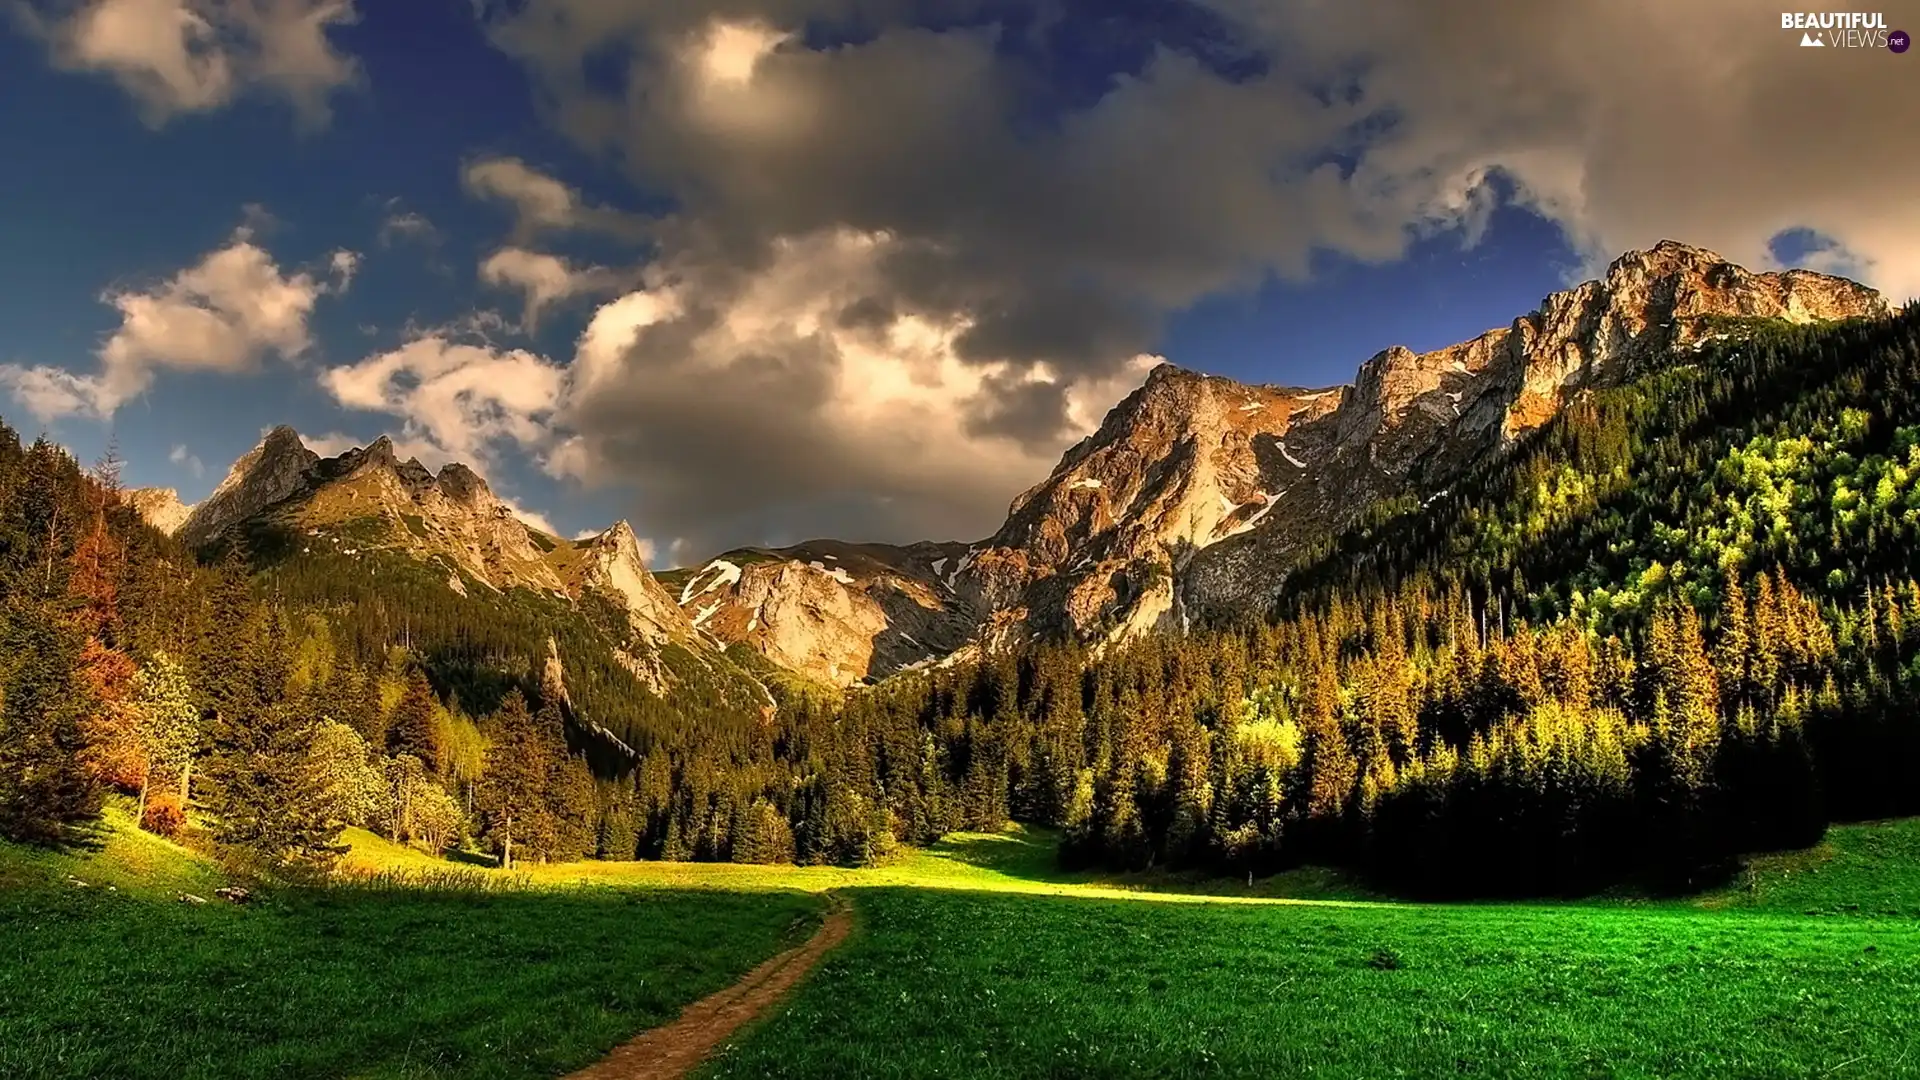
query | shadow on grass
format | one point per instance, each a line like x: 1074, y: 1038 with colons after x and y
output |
x: 471, y: 858
x: 1030, y: 854
x: 1021, y: 852
x: 505, y: 985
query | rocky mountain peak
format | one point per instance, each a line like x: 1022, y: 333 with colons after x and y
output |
x: 451, y: 518
x: 1199, y: 492
x: 463, y: 485
x: 616, y: 565
x: 1667, y: 256
x: 160, y: 508
x: 282, y: 438
x: 276, y: 469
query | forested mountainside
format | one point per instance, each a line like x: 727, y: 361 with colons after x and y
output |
x: 1676, y: 620
x: 1199, y: 495
x: 1679, y: 622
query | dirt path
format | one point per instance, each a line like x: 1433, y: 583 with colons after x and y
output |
x: 672, y: 1051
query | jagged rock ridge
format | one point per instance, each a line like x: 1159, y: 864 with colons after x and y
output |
x: 451, y: 515
x: 838, y: 613
x: 160, y: 508
x: 1198, y: 493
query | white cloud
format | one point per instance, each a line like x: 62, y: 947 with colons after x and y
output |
x: 182, y: 56
x: 543, y: 279
x: 542, y: 203
x: 222, y: 314
x: 717, y: 405
x: 344, y: 265
x: 730, y: 52
x: 50, y: 393
x: 717, y: 398
x: 460, y: 398
x: 181, y: 456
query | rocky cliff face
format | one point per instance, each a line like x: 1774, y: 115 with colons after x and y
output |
x: 1199, y: 493
x: 368, y: 499
x: 837, y: 613
x: 612, y: 563
x: 272, y: 472
x: 160, y: 508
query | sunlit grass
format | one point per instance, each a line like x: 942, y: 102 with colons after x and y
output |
x: 994, y: 985
x: 978, y: 957
x: 1016, y: 861
x: 426, y: 970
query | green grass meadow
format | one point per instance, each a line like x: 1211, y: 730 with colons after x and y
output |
x: 975, y: 959
x: 494, y: 981
x: 996, y: 985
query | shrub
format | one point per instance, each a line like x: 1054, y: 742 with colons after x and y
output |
x: 164, y: 816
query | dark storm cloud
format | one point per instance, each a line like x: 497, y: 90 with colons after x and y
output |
x: 1628, y: 121
x: 1075, y: 328
x: 1033, y: 414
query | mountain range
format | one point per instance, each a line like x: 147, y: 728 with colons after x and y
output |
x: 1193, y: 500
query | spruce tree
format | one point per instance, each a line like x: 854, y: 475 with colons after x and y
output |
x: 267, y: 803
x: 511, y: 795
x: 45, y: 790
x: 414, y: 729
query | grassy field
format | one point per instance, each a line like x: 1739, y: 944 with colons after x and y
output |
x: 120, y: 978
x: 978, y: 958
x: 995, y: 985
x: 1807, y: 967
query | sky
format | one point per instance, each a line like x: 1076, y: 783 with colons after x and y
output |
x: 758, y: 271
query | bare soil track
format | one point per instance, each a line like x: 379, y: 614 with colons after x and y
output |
x: 673, y: 1050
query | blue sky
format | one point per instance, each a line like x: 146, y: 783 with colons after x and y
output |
x: 1080, y: 184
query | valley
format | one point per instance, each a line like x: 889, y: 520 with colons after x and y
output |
x: 978, y: 957
x: 958, y: 540
x: 1563, y: 729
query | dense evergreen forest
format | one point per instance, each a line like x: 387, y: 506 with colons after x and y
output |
x: 1677, y: 623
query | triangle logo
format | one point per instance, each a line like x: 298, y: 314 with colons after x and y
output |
x: 1808, y: 41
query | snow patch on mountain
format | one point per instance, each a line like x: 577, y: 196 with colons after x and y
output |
x: 724, y: 573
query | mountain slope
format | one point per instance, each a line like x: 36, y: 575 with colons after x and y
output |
x: 837, y: 613
x: 1198, y: 494
x: 396, y: 552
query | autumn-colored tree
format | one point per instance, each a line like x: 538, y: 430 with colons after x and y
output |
x: 165, y: 724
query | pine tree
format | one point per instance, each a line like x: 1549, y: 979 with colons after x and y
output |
x: 1733, y: 649
x: 45, y: 790
x: 414, y: 729
x: 511, y: 795
x: 266, y: 801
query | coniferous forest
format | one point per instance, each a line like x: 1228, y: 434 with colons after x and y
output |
x: 1678, y: 623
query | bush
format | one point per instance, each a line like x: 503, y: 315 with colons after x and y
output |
x: 164, y: 816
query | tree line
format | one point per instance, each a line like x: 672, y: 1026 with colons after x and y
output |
x: 1676, y: 624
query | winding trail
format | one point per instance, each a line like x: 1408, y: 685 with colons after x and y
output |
x: 674, y: 1050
